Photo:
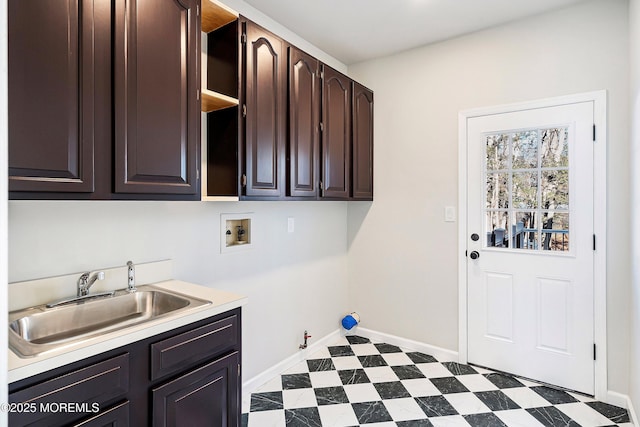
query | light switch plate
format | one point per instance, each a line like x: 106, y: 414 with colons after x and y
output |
x: 449, y: 214
x: 291, y: 225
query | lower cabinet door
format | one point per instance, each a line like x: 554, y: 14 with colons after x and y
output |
x: 100, y: 384
x: 207, y: 396
x: 118, y: 416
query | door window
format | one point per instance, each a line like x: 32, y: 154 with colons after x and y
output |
x: 527, y: 189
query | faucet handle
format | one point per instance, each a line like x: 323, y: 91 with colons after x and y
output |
x: 86, y: 280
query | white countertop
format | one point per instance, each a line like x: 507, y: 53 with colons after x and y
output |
x: 222, y: 301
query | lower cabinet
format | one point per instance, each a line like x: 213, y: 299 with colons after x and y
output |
x: 59, y: 399
x: 117, y: 416
x: 187, y: 400
x: 186, y: 377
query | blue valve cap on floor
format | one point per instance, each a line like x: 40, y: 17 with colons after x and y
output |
x: 350, y: 320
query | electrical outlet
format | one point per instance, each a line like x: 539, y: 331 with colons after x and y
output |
x: 291, y: 225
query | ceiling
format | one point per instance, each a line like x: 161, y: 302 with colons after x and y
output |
x: 357, y: 30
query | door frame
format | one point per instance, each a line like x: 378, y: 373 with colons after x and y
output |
x: 599, y: 99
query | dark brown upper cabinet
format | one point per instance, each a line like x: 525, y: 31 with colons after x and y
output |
x: 51, y: 95
x: 157, y: 107
x: 264, y: 107
x: 304, y: 124
x: 362, y: 153
x: 103, y: 99
x: 336, y: 134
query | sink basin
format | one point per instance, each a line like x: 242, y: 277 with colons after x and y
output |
x: 36, y: 330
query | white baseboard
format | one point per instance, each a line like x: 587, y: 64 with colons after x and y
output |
x: 623, y: 401
x: 442, y: 354
x: 252, y: 384
x: 632, y: 413
x: 617, y: 399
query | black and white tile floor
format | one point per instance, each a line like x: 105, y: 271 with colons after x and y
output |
x: 357, y: 382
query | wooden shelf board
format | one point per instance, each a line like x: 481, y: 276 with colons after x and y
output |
x: 212, y: 101
x: 215, y: 15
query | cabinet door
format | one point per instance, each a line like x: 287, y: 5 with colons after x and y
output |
x: 98, y: 384
x: 304, y: 122
x: 51, y: 95
x: 157, y: 110
x: 336, y: 135
x: 264, y: 100
x: 175, y: 354
x: 362, y: 152
x: 117, y: 416
x: 207, y: 396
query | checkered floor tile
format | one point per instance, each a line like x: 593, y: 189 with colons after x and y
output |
x: 357, y: 382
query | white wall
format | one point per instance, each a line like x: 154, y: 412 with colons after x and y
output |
x: 402, y: 255
x: 634, y: 388
x: 294, y: 281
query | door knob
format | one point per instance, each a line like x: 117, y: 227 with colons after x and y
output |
x: 474, y: 255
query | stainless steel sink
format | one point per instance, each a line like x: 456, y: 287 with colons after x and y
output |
x: 36, y: 330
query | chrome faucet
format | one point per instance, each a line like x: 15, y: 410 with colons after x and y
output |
x: 131, y: 277
x: 87, y: 280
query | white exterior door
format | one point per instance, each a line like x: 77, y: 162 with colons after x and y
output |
x: 530, y: 222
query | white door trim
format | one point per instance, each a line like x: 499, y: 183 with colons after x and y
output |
x: 599, y: 99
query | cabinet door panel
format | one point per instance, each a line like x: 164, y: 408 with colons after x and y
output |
x: 189, y: 399
x: 362, y: 143
x: 97, y: 384
x: 265, y: 112
x: 336, y: 137
x: 177, y: 353
x: 157, y: 110
x: 117, y: 416
x: 304, y: 120
x: 51, y: 95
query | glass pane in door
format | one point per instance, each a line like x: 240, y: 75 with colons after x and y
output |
x: 527, y: 189
x: 496, y: 226
x: 525, y: 150
x: 554, y: 148
x: 524, y: 230
x: 555, y: 189
x: 555, y: 231
x: 497, y: 191
x: 497, y: 152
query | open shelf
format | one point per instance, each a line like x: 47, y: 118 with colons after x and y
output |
x: 220, y: 90
x: 220, y: 68
x: 215, y: 15
x: 212, y: 101
x: 220, y: 155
